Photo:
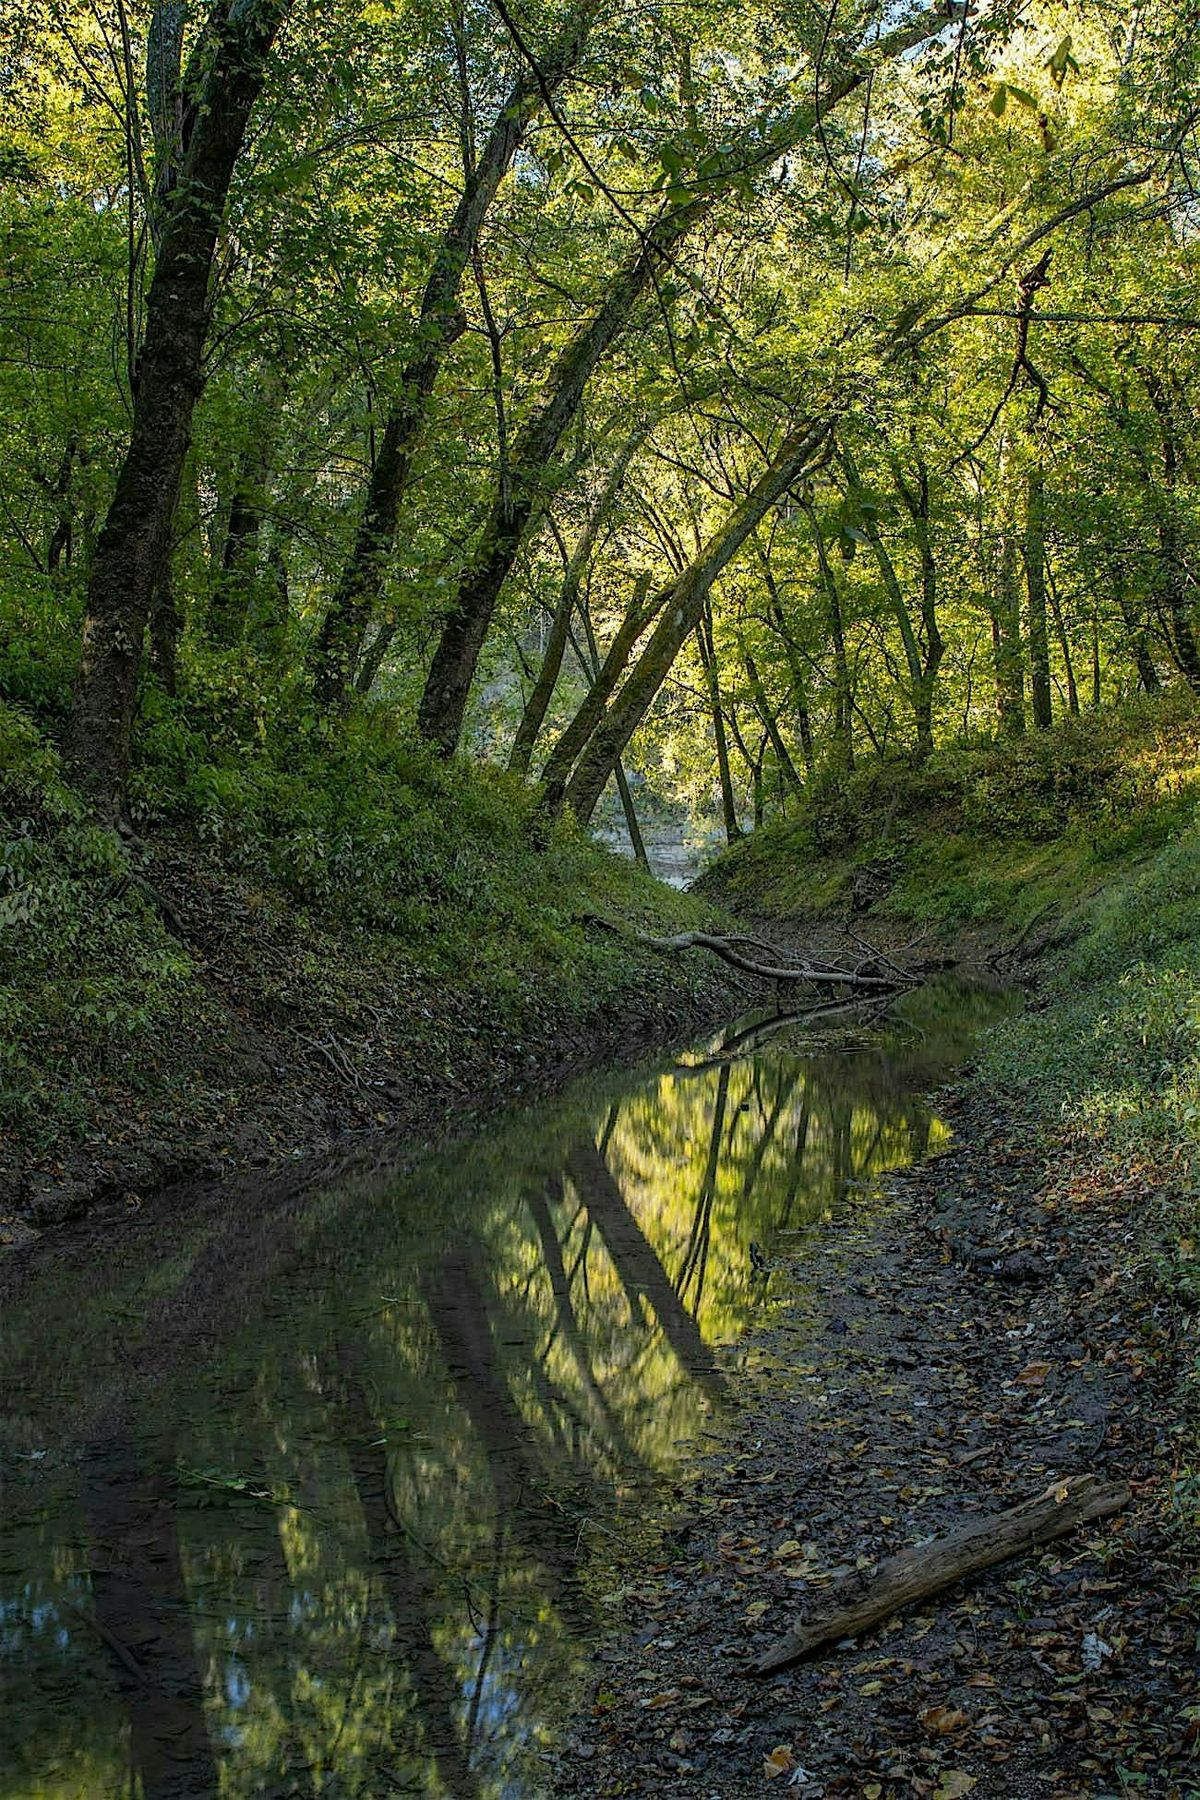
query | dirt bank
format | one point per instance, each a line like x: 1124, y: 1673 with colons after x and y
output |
x: 302, y: 1044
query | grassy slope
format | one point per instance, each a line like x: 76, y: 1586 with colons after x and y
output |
x: 328, y: 936
x: 1085, y: 843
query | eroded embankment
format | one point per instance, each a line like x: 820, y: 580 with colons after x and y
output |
x: 170, y: 1018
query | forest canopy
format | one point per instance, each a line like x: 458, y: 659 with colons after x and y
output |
x: 722, y: 391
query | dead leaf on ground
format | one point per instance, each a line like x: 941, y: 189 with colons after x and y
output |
x: 780, y: 1762
x: 943, y: 1719
x: 954, y: 1784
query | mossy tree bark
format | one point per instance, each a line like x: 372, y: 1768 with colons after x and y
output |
x: 134, y: 541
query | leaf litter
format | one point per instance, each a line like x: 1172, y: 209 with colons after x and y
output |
x: 990, y: 1340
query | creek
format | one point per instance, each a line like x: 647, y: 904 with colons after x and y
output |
x: 319, y: 1490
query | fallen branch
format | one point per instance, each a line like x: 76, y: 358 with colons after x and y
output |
x: 816, y: 974
x: 855, y: 1605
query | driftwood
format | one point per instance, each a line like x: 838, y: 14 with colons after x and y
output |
x: 857, y: 1604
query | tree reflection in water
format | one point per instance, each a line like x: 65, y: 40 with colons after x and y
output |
x: 303, y: 1494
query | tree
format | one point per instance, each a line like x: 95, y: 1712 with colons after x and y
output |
x: 223, y: 80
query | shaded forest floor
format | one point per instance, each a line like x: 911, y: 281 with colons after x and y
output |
x: 907, y: 1389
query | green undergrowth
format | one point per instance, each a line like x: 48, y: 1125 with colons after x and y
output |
x: 323, y: 874
x: 1109, y: 1059
x: 1087, y: 839
x: 978, y: 834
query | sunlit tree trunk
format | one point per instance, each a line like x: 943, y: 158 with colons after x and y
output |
x: 712, y: 683
x: 1035, y: 589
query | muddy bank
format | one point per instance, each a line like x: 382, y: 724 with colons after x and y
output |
x: 301, y: 1047
x: 962, y: 1339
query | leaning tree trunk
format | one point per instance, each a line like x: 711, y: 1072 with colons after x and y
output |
x: 528, y: 480
x: 843, y: 700
x: 534, y: 715
x: 679, y: 617
x: 799, y: 693
x: 639, y: 615
x: 770, y: 722
x: 519, y: 498
x: 706, y: 646
x: 134, y: 541
x: 439, y: 325
x: 624, y: 792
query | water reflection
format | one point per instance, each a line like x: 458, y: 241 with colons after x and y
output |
x: 304, y: 1496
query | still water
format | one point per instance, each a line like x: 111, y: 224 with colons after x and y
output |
x: 313, y: 1493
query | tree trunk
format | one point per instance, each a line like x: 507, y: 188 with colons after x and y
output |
x: 1035, y: 587
x: 439, y: 325
x: 166, y: 625
x: 631, y: 819
x: 230, y: 602
x: 530, y: 478
x: 1135, y: 626
x: 681, y: 610
x: 916, y: 1574
x: 1006, y: 642
x: 452, y: 670
x: 843, y: 705
x: 762, y: 707
x: 920, y: 678
x: 639, y: 615
x: 799, y: 694
x: 1171, y: 585
x: 712, y: 682
x: 135, y: 538
x: 537, y: 705
x: 1064, y: 641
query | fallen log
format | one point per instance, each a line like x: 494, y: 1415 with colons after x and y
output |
x: 860, y: 1602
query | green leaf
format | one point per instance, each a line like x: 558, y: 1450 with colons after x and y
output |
x: 999, y: 100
